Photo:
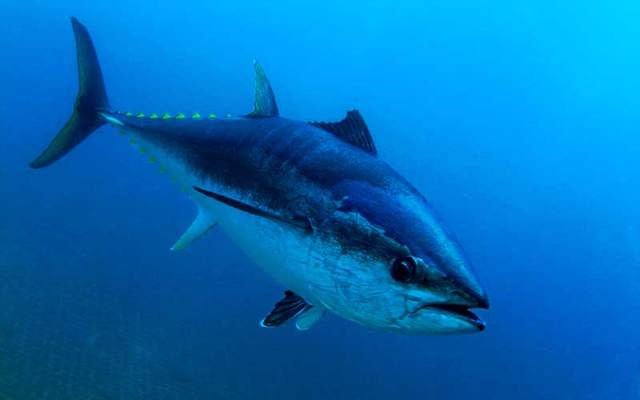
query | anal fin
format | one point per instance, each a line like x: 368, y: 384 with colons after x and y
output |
x: 201, y: 225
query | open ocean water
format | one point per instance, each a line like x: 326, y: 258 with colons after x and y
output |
x: 520, y: 122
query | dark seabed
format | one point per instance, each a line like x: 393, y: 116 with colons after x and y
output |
x: 520, y: 121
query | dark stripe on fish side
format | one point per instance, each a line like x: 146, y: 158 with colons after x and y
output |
x: 287, y: 166
x: 209, y: 145
x: 247, y: 154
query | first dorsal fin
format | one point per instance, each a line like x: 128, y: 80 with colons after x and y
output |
x: 352, y: 129
x: 265, y: 101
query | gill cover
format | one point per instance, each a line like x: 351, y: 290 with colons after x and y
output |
x: 91, y: 99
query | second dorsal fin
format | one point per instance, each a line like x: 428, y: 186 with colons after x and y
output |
x: 351, y: 129
x: 265, y: 101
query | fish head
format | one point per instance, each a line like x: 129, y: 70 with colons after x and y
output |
x: 398, y: 269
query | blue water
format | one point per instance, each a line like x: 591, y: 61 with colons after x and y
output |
x: 519, y: 121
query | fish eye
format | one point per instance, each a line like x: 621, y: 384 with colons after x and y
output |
x: 403, y: 269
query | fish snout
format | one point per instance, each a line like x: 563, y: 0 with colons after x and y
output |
x: 465, y: 293
x: 474, y: 296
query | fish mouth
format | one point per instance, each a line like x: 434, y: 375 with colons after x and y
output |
x: 455, y: 310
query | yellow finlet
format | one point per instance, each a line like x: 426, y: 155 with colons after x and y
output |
x: 128, y: 114
x: 166, y: 116
x: 142, y: 149
x: 180, y: 116
x: 132, y: 140
x: 140, y: 115
x: 152, y: 159
x: 212, y: 116
x: 162, y: 169
x: 153, y: 116
x: 196, y: 116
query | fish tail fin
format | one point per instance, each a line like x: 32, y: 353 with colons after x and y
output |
x: 90, y: 101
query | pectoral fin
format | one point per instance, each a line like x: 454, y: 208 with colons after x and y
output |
x: 201, y: 225
x: 291, y: 306
x: 298, y: 222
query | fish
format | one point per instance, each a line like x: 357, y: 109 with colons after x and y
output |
x: 312, y: 203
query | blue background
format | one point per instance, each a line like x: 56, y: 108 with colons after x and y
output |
x: 518, y: 120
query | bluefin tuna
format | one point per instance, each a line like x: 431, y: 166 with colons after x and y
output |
x: 311, y: 203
